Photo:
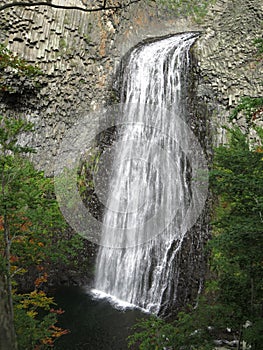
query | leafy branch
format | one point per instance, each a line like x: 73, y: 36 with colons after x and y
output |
x: 259, y: 44
x: 17, y: 75
x: 250, y: 106
x: 9, y: 60
x: 47, y: 3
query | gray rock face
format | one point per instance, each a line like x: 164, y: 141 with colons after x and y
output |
x: 228, y: 67
x: 79, y: 53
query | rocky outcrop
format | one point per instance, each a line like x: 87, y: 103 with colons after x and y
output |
x: 71, y: 51
x: 228, y: 67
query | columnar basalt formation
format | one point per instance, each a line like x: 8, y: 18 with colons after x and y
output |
x: 79, y: 53
x: 228, y: 65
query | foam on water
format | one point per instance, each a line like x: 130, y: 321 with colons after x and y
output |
x: 117, y: 303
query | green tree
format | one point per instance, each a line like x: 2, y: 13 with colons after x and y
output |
x: 237, y: 180
x: 188, y: 331
x: 29, y: 222
x: 8, y: 137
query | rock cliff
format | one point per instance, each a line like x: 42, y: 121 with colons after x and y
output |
x: 79, y: 53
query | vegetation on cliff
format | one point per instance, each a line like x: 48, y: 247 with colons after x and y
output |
x: 195, y: 8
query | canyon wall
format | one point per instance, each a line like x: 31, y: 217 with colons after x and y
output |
x: 79, y: 53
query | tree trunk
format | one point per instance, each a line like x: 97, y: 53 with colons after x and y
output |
x: 7, y: 330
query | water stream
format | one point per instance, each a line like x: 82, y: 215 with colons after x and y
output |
x: 151, y: 190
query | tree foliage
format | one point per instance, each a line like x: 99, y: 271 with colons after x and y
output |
x: 237, y: 246
x: 186, y: 332
x: 29, y: 217
x: 17, y: 75
x: 251, y: 107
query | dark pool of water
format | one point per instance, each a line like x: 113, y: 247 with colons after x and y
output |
x: 94, y: 324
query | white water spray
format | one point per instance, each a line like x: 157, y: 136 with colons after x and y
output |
x: 151, y: 191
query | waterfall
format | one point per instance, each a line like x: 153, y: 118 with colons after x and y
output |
x: 151, y: 190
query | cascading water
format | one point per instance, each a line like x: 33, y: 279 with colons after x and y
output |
x: 151, y: 189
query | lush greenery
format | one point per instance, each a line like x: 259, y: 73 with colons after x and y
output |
x: 30, y: 224
x: 238, y: 241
